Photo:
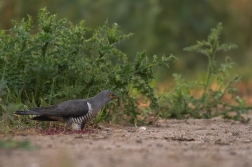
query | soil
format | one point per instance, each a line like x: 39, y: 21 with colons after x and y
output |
x: 180, y: 143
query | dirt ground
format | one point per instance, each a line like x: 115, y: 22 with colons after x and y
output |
x: 180, y: 143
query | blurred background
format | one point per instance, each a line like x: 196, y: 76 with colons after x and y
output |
x: 159, y: 26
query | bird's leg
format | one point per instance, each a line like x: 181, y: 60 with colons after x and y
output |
x: 76, y: 126
x: 83, y: 125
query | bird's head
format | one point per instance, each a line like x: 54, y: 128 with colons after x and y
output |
x: 112, y: 96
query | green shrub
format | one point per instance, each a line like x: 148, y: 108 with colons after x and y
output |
x: 58, y: 61
x: 180, y: 103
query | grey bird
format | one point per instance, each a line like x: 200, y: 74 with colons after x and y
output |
x: 76, y: 113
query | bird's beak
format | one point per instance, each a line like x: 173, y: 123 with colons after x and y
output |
x: 118, y: 99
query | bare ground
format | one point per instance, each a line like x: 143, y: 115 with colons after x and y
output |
x: 194, y: 143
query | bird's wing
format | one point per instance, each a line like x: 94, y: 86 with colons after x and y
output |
x: 71, y: 108
x: 74, y: 108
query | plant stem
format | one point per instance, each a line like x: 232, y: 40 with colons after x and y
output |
x: 209, y: 73
x: 210, y: 68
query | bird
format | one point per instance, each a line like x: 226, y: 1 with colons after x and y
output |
x: 76, y: 113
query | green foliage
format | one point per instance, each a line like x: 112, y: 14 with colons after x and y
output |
x: 181, y: 102
x: 6, y: 109
x: 62, y: 61
x: 13, y: 144
x: 181, y: 21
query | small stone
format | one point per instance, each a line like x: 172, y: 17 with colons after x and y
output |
x: 142, y: 128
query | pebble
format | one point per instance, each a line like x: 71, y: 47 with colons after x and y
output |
x: 142, y: 128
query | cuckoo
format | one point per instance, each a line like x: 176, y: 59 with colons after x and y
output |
x: 76, y: 113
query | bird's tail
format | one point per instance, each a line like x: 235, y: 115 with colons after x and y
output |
x: 27, y: 112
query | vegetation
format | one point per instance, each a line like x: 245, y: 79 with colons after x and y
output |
x: 181, y: 102
x: 13, y: 144
x: 57, y: 60
x: 63, y: 61
x: 160, y: 26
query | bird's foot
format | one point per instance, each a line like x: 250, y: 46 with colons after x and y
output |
x: 76, y: 127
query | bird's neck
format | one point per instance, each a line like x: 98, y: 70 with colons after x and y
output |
x: 97, y: 103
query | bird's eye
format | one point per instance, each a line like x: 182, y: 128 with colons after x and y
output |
x: 111, y: 96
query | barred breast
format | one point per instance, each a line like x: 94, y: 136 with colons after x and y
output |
x: 81, y: 119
